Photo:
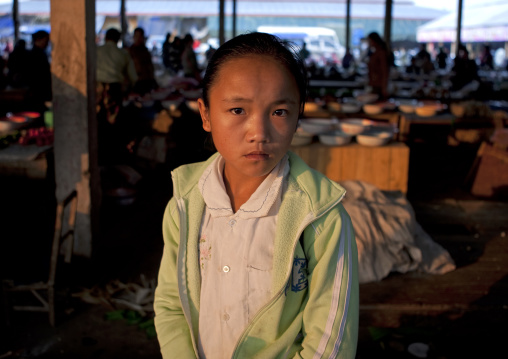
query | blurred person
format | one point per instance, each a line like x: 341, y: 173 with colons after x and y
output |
x: 166, y: 46
x: 304, y: 53
x: 189, y: 60
x: 175, y: 56
x: 18, y: 65
x: 142, y: 62
x: 423, y: 54
x: 348, y: 59
x: 6, y: 48
x: 378, y: 65
x: 413, y: 68
x: 442, y: 58
x: 423, y: 60
x: 486, y: 58
x: 209, y: 53
x: 39, y: 74
x: 464, y: 70
x: 116, y: 75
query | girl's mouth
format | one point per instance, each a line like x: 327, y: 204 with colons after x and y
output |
x: 257, y: 156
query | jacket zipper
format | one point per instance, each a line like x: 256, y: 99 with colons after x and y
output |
x: 279, y: 293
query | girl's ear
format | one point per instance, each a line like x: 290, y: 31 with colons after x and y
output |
x: 205, y: 115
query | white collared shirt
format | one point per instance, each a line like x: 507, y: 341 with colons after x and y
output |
x: 235, y: 256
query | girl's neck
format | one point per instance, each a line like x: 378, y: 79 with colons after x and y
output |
x: 239, y: 192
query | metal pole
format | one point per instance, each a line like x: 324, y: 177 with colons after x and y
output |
x: 15, y: 19
x: 234, y: 18
x: 388, y: 24
x: 459, y: 28
x: 123, y: 22
x: 348, y: 24
x: 221, y: 22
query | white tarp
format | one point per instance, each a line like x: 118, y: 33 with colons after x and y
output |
x: 482, y: 23
x: 388, y: 237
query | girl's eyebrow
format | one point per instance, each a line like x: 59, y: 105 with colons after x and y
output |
x: 243, y: 99
x: 285, y: 100
x: 236, y: 99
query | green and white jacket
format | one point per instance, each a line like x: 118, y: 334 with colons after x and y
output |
x: 313, y: 312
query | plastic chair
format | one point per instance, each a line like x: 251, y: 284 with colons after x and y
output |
x: 48, y: 305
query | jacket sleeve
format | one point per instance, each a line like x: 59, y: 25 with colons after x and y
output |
x: 330, y: 317
x: 172, y: 329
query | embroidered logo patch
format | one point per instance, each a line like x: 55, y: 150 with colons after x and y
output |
x: 299, y: 276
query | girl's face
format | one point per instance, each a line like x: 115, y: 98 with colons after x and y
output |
x: 252, y: 115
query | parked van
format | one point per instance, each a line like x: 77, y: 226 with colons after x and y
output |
x: 322, y: 43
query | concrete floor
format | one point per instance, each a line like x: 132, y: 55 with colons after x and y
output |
x: 130, y: 245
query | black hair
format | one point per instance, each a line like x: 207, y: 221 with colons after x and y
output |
x: 38, y: 35
x: 20, y: 44
x: 188, y: 39
x: 257, y: 43
x: 140, y: 30
x: 113, y: 35
x: 374, y: 36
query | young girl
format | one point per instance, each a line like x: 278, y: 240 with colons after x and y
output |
x: 260, y: 258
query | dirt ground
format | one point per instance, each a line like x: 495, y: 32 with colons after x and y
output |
x: 129, y: 248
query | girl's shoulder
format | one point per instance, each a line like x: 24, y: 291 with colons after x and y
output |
x: 186, y: 177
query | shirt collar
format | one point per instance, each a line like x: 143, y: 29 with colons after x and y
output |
x: 213, y: 190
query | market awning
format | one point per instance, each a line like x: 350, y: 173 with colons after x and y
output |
x: 482, y: 23
x: 202, y: 8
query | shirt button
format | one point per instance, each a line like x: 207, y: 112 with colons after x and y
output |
x: 225, y: 317
x: 232, y: 222
x: 225, y: 269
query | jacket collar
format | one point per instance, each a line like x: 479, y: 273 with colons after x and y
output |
x: 319, y: 190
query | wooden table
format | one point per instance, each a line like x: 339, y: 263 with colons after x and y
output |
x: 406, y: 120
x: 29, y: 161
x: 386, y: 167
x: 391, y: 117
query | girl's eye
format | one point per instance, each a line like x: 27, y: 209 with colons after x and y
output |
x: 280, y: 112
x: 237, y: 111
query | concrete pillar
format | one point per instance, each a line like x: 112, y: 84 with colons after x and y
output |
x: 73, y: 82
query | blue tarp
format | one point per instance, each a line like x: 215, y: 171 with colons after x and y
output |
x: 6, y: 26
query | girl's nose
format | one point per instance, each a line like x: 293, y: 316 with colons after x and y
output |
x: 259, y: 129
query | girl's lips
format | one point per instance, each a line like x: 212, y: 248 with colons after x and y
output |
x: 257, y: 156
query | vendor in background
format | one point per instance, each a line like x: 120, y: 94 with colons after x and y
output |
x: 18, y: 65
x: 166, y: 46
x: 348, y: 60
x: 175, y: 56
x: 486, y: 58
x: 378, y: 65
x: 189, y: 60
x: 39, y: 74
x: 116, y: 75
x: 441, y: 59
x: 413, y: 68
x: 464, y: 71
x: 304, y: 53
x: 143, y: 63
